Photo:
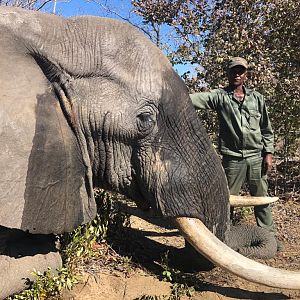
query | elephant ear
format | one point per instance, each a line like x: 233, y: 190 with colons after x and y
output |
x: 45, y: 186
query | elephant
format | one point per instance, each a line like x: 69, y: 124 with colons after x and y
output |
x: 90, y: 102
x: 251, y: 241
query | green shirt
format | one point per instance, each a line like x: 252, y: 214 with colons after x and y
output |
x: 245, y: 127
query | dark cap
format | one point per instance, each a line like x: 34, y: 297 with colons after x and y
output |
x: 238, y: 61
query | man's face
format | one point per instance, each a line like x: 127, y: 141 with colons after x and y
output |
x: 237, y: 75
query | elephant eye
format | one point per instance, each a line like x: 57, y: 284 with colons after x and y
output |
x: 146, y: 122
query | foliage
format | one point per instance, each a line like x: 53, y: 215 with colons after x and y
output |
x: 109, y: 222
x: 149, y: 297
x: 179, y: 287
x: 186, y: 24
x: 265, y: 33
x: 79, y: 246
x: 27, y: 4
x: 177, y: 292
x: 167, y: 273
x: 47, y: 285
x: 241, y: 213
x: 206, y: 34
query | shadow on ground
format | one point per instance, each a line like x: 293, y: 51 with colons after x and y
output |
x: 144, y: 243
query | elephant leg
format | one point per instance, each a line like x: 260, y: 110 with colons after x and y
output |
x: 252, y: 241
x: 22, y: 253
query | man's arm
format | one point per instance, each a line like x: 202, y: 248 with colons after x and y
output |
x: 268, y: 160
x: 267, y: 138
x: 205, y: 100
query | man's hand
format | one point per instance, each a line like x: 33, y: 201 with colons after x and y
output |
x: 268, y: 163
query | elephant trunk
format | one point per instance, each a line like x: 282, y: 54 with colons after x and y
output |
x: 221, y: 255
x: 252, y: 241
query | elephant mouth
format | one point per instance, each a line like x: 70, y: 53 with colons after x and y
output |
x: 206, y: 243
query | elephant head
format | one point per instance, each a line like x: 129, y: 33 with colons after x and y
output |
x: 90, y: 102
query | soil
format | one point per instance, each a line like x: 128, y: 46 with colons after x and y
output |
x: 149, y: 240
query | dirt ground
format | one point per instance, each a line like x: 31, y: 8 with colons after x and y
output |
x: 150, y: 240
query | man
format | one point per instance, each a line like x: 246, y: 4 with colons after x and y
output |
x: 245, y: 135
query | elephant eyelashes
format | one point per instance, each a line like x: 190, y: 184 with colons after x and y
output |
x: 146, y: 122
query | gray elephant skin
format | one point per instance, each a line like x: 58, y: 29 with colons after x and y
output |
x: 90, y: 102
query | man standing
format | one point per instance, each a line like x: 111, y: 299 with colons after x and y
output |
x: 245, y: 135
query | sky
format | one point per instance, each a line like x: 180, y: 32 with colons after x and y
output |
x: 69, y: 8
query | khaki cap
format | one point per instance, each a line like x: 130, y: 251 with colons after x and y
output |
x: 237, y: 61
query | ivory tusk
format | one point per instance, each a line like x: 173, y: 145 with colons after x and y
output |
x: 221, y: 255
x: 242, y: 201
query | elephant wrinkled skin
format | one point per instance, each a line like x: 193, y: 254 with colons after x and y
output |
x: 90, y: 102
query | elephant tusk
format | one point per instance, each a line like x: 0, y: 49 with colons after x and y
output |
x: 221, y: 255
x: 242, y: 201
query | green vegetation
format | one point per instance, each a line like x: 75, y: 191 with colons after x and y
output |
x: 178, y: 291
x: 90, y: 242
x: 204, y: 34
x: 80, y: 246
x: 149, y: 297
x: 48, y: 285
x: 180, y: 287
x: 241, y: 213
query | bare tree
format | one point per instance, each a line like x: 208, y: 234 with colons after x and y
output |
x: 27, y: 4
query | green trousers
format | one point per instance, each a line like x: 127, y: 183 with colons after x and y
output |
x: 250, y: 169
